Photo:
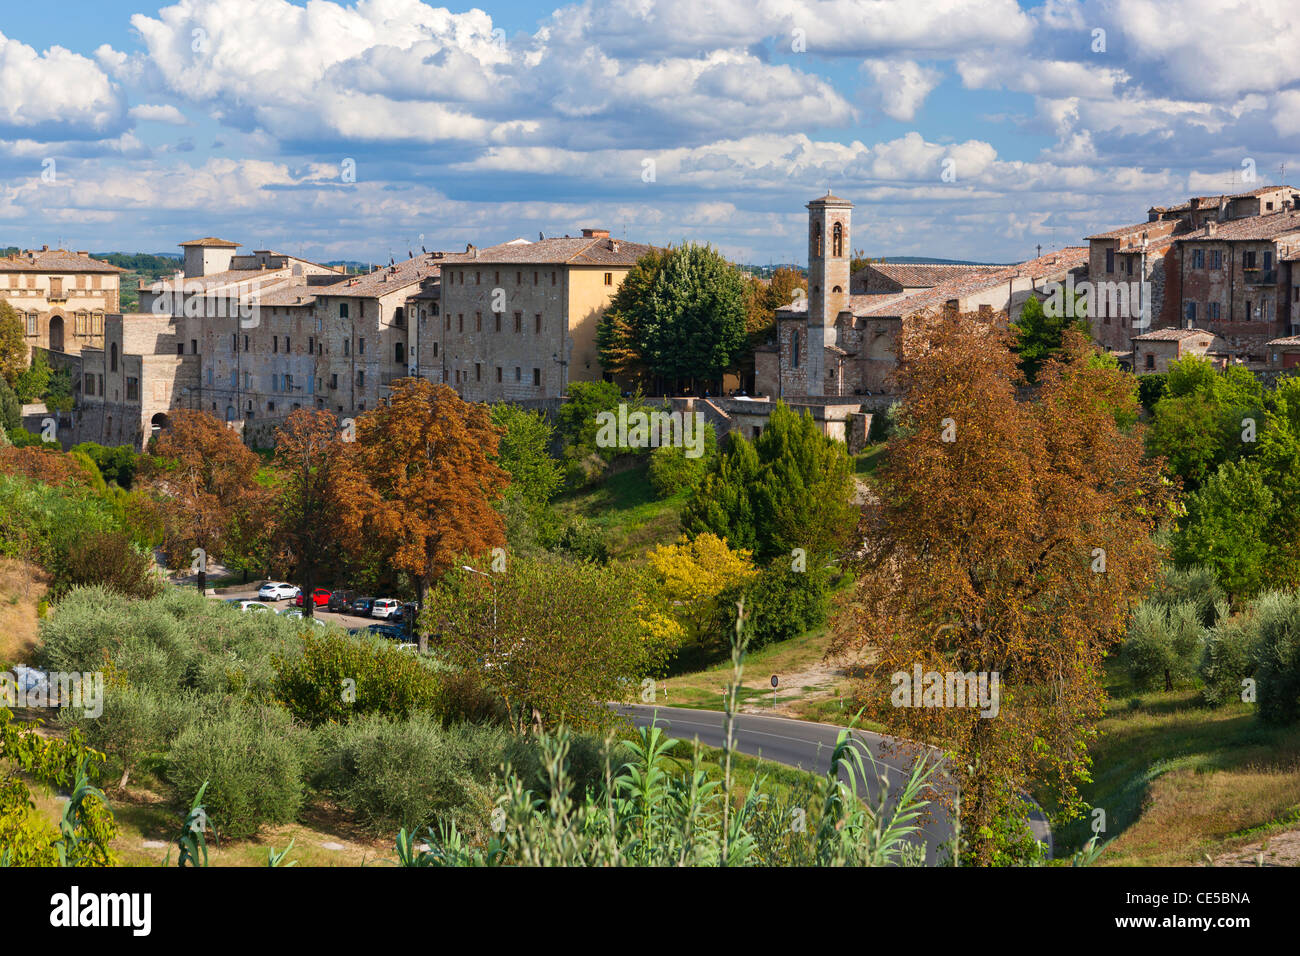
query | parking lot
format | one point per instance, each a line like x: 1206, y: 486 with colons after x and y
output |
x: 248, y: 592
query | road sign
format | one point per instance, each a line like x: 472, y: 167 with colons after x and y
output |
x: 775, y: 681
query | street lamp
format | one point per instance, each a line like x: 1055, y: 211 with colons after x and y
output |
x: 492, y: 581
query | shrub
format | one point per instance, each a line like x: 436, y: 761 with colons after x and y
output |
x: 110, y: 559
x: 883, y: 424
x: 1278, y: 672
x: 468, y: 698
x: 583, y: 540
x: 1196, y: 585
x: 1163, y: 645
x: 337, y: 677
x: 137, y: 726
x: 410, y: 772
x: 252, y: 759
x: 672, y: 472
x: 781, y: 603
x: 1228, y: 658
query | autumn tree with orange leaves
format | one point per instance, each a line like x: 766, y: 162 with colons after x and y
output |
x: 204, y: 483
x: 1012, y: 536
x: 420, y: 482
x: 310, y: 461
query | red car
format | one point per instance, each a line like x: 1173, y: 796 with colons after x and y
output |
x: 321, y: 596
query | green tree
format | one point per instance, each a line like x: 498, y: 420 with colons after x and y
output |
x: 619, y: 333
x: 1227, y: 527
x: 696, y: 326
x: 525, y: 452
x: 791, y: 488
x: 1039, y: 330
x: 11, y: 412
x: 13, y: 343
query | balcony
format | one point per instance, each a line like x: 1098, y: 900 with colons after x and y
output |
x: 1257, y: 276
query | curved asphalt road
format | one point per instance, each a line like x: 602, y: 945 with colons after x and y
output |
x: 808, y: 746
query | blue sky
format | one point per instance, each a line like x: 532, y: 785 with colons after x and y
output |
x: 365, y: 128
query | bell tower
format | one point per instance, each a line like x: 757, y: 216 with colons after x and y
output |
x: 829, y: 256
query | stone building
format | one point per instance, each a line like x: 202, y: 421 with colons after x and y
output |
x: 61, y: 296
x: 881, y: 278
x: 1154, y: 351
x: 518, y: 320
x: 839, y: 343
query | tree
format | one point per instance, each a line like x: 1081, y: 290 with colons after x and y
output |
x: 1038, y: 332
x: 695, y: 327
x: 554, y: 638
x: 204, y: 481
x: 1227, y: 528
x: 692, y: 574
x: 309, y: 454
x: 791, y: 488
x: 618, y: 335
x: 13, y: 343
x: 421, y: 481
x: 1011, y: 538
x: 11, y: 412
x: 525, y: 452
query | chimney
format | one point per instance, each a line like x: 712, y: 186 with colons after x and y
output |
x: 613, y: 245
x: 1211, y: 227
x: 595, y: 233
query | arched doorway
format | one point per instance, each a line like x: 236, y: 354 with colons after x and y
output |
x: 157, y: 424
x: 56, y: 333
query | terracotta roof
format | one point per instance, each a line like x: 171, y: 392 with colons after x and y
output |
x: 211, y: 242
x: 389, y: 279
x: 917, y: 274
x: 1286, y: 341
x: 829, y: 199
x: 1254, y: 228
x: 55, y: 260
x: 1122, y: 232
x: 1170, y: 335
x: 230, y: 277
x: 290, y: 294
x: 580, y: 251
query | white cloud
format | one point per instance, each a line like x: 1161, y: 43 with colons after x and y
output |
x: 158, y: 113
x: 900, y: 86
x: 58, y: 93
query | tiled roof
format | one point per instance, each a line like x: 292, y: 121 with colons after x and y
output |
x: 915, y: 274
x: 217, y: 280
x: 294, y: 293
x: 580, y: 251
x: 1287, y: 341
x: 828, y: 198
x: 389, y: 279
x: 55, y: 260
x: 1170, y: 335
x: 1059, y: 262
x: 1251, y: 228
x: 211, y: 242
x: 1163, y: 226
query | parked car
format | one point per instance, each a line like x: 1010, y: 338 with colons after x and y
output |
x: 384, y: 607
x: 277, y: 591
x: 386, y: 630
x: 361, y: 606
x: 406, y: 613
x: 294, y: 612
x: 321, y: 596
x: 252, y: 606
x: 341, y: 601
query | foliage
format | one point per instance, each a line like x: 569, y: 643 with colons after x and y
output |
x: 33, y: 381
x: 621, y: 327
x: 1229, y: 657
x: 337, y: 677
x: 782, y: 602
x: 696, y: 323
x: 421, y: 480
x: 1196, y: 585
x: 672, y: 471
x: 696, y: 576
x: 790, y: 488
x: 116, y: 463
x: 1277, y: 616
x: 111, y: 559
x: 553, y: 637
x: 11, y: 410
x: 1226, y: 528
x: 13, y: 345
x: 524, y: 452
x: 1163, y: 646
x: 1012, y: 537
x: 252, y: 760
x: 1039, y: 332
x: 410, y: 772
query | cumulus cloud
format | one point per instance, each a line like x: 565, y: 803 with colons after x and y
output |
x: 900, y: 86
x: 55, y: 94
x: 158, y: 113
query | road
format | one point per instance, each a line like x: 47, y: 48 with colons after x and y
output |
x: 249, y: 593
x: 808, y: 746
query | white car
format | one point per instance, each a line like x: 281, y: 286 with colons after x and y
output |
x: 384, y: 607
x: 252, y: 606
x: 276, y: 591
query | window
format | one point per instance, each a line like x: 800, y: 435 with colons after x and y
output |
x: 180, y: 348
x: 275, y: 344
x: 816, y: 238
x: 1268, y: 259
x: 234, y: 379
x: 1248, y: 312
x: 1110, y: 260
x: 496, y: 278
x: 361, y: 377
x: 89, y: 387
x: 234, y: 341
x: 287, y: 348
x: 1151, y: 360
x: 435, y: 349
x: 537, y: 321
x: 519, y: 278
x: 519, y: 322
x: 132, y: 389
x: 270, y: 406
x: 552, y: 277
x: 245, y: 343
x: 1198, y: 258
x: 837, y: 240
x: 448, y: 322
x: 478, y: 278
x: 343, y: 310
x: 518, y: 374
x: 478, y: 321
x: 347, y: 344
x: 1248, y: 259
x: 334, y: 380
x: 534, y: 278
x: 795, y: 358
x: 399, y: 353
x: 361, y: 346
x: 1190, y: 311
x: 194, y: 346
x: 311, y: 345
x: 498, y: 374
x: 1214, y: 310
x: 497, y: 317
x: 1216, y: 259
x: 537, y: 377
x: 609, y: 278
x: 112, y: 362
x: 478, y: 372
x: 460, y: 321
x: 31, y: 323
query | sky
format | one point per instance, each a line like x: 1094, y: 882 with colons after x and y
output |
x: 364, y: 129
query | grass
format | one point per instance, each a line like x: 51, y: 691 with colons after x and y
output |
x: 22, y: 586
x: 624, y: 508
x: 865, y: 462
x: 1179, y: 780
